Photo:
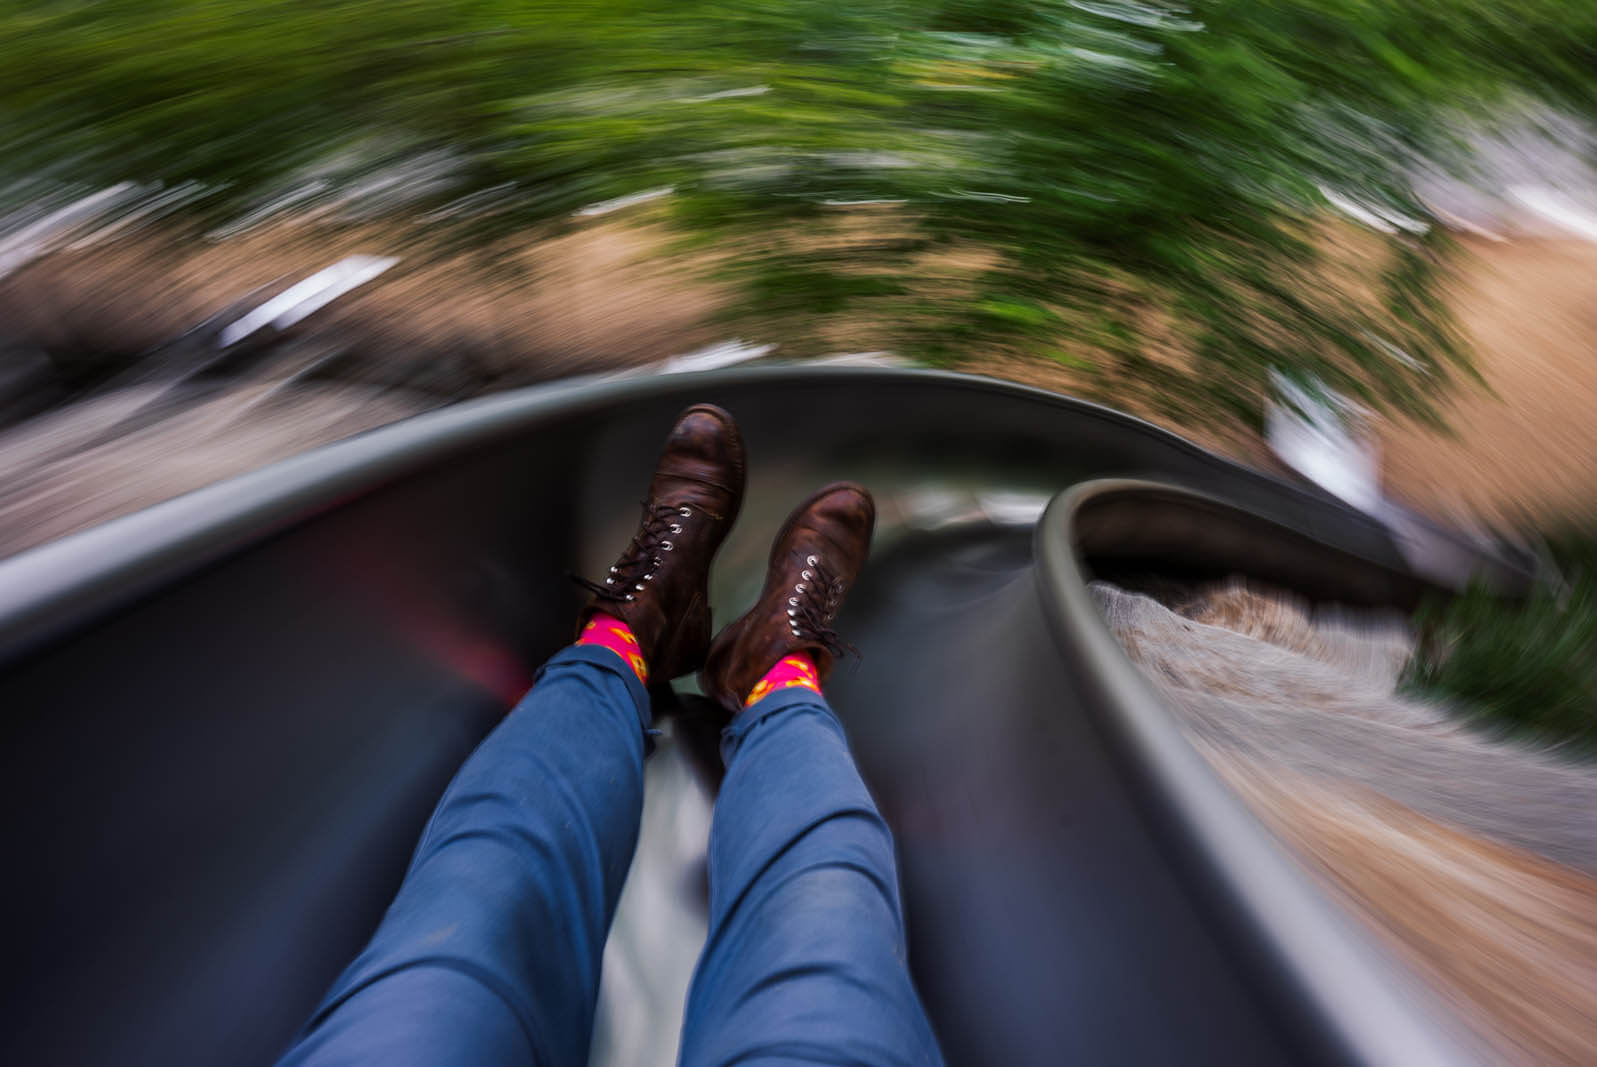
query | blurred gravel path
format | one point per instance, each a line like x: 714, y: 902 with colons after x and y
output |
x: 1472, y: 858
x: 64, y: 472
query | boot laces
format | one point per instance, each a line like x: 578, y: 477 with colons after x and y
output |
x: 813, y: 605
x: 644, y: 555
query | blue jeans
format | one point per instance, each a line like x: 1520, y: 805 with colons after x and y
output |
x: 490, y: 953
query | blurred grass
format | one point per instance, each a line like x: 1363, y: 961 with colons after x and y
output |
x: 1141, y: 184
x: 1527, y: 668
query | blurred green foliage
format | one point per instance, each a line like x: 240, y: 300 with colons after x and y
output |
x: 1141, y: 186
x: 1527, y: 668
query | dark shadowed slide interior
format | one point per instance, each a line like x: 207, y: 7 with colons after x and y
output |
x: 226, y: 718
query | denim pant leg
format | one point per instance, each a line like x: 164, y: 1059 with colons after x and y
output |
x: 805, y: 958
x: 490, y: 952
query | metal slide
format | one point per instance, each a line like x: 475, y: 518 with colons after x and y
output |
x: 227, y: 717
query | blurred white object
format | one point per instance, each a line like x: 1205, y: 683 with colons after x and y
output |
x: 605, y: 207
x: 1564, y: 211
x: 1377, y: 218
x: 1526, y: 171
x: 1013, y: 508
x: 861, y: 359
x: 725, y: 354
x: 22, y: 246
x: 1316, y: 434
x: 314, y: 293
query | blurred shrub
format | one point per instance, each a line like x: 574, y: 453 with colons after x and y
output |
x: 1527, y: 668
x: 1138, y: 189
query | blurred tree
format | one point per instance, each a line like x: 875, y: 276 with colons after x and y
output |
x: 1134, y: 188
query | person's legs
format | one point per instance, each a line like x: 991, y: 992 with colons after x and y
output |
x: 805, y: 959
x: 490, y: 953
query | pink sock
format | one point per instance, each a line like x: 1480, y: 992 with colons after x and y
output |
x: 795, y: 671
x: 607, y: 631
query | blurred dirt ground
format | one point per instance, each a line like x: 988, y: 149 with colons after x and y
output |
x: 1522, y: 451
x: 435, y: 329
x: 530, y: 308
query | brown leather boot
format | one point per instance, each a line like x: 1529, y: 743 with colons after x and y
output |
x: 660, y: 585
x: 815, y: 558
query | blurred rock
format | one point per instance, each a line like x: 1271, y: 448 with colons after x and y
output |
x: 28, y: 383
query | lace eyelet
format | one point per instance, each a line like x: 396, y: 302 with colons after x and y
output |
x: 667, y: 546
x: 792, y: 612
x: 684, y: 511
x: 631, y: 597
x: 609, y: 581
x: 676, y: 527
x: 806, y: 575
x: 638, y: 587
x: 793, y: 600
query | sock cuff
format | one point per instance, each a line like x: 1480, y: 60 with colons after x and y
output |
x: 607, y: 631
x: 794, y: 671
